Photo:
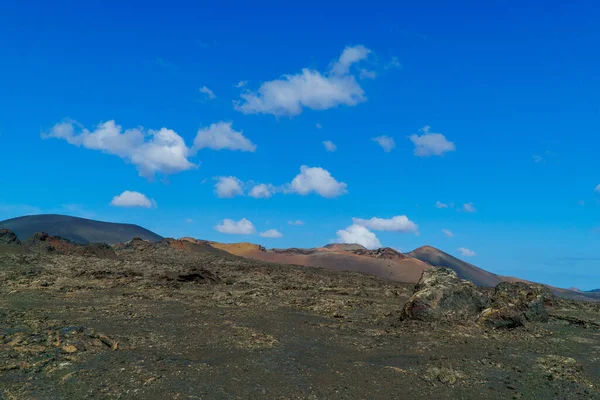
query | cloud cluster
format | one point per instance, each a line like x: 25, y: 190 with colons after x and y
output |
x: 297, y: 222
x: 387, y: 143
x: 132, y: 199
x: 241, y: 227
x: 399, y: 223
x: 597, y: 190
x: 311, y: 89
x: 151, y: 151
x: 309, y: 180
x: 448, y: 233
x: 360, y: 235
x: 430, y: 144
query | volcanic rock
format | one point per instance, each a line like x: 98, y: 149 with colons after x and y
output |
x: 441, y: 295
x: 514, y: 304
x: 8, y: 237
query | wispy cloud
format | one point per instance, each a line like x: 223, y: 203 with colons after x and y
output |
x: 469, y: 207
x: 329, y: 145
x: 439, y: 204
x: 209, y: 93
x: 466, y: 252
x: 448, y: 233
x: 386, y: 142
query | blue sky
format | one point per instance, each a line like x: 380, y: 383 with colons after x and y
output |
x: 509, y: 91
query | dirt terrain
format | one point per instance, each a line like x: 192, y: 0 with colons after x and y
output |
x: 174, y: 321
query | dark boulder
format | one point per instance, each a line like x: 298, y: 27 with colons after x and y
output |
x: 8, y: 237
x: 515, y: 304
x: 441, y: 295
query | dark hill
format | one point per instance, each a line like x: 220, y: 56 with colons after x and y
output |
x: 78, y: 230
x: 438, y: 258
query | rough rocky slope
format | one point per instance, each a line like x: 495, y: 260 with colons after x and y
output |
x: 171, y: 320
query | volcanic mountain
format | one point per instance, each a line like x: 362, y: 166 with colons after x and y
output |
x: 385, y: 263
x: 464, y: 270
x: 78, y: 230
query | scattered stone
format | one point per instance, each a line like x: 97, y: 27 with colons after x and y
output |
x: 560, y: 368
x: 441, y: 295
x: 444, y: 375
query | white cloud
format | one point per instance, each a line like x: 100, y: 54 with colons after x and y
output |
x: 469, y: 207
x: 308, y: 89
x: 318, y: 125
x: 271, y: 233
x: 430, y: 144
x: 241, y: 84
x: 360, y: 235
x: 448, y: 233
x: 386, y: 142
x: 399, y: 223
x: 241, y: 227
x: 597, y: 190
x: 132, y: 199
x: 189, y: 221
x: 221, y: 136
x: 466, y: 252
x: 317, y: 180
x: 162, y: 151
x: 581, y: 203
x: 367, y: 74
x: 439, y: 204
x: 537, y: 159
x: 329, y: 145
x: 262, y: 191
x: 209, y: 93
x: 297, y: 222
x: 228, y: 186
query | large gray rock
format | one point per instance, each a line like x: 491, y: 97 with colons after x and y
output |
x: 514, y: 304
x: 441, y: 295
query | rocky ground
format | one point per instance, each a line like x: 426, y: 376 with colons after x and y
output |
x: 177, y: 321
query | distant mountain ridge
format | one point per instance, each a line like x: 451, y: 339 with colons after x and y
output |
x: 78, y: 230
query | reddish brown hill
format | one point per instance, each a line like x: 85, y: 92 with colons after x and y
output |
x: 464, y: 270
x: 385, y: 263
